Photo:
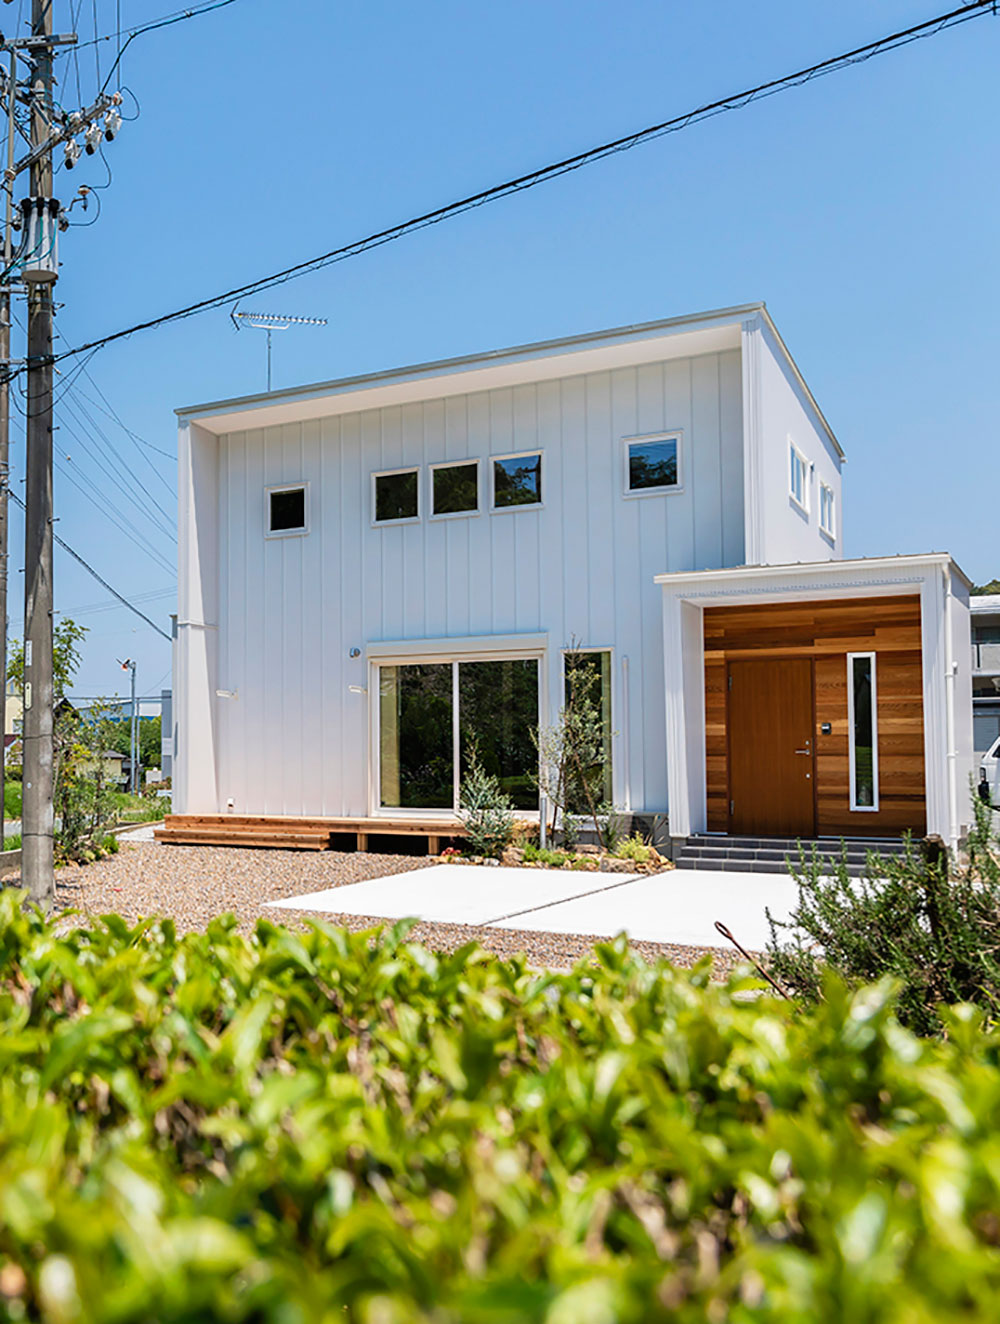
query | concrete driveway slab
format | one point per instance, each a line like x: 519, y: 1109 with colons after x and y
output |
x: 457, y: 894
x: 676, y: 907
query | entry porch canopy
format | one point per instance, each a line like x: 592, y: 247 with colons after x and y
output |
x: 943, y: 590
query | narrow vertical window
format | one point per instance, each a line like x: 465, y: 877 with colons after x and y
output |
x: 798, y: 476
x: 826, y: 510
x: 862, y: 731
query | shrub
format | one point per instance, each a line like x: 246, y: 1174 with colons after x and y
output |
x: 938, y: 934
x: 485, y: 810
x: 634, y: 848
x: 328, y: 1126
x: 543, y: 855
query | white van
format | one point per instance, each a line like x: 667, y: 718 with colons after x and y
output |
x: 989, y: 772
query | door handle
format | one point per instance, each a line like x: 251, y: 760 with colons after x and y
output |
x: 807, y: 749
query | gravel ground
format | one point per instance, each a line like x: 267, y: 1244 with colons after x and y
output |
x: 194, y: 884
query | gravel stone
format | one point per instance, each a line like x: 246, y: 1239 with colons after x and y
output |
x: 195, y: 884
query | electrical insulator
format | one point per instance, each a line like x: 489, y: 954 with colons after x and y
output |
x: 92, y: 138
x: 112, y: 123
x: 72, y: 150
x: 40, y: 261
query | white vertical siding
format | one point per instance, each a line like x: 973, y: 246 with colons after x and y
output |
x: 291, y: 608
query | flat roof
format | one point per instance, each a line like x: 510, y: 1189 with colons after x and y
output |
x: 694, y: 333
x: 899, y: 561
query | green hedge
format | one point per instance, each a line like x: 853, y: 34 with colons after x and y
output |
x: 313, y: 1127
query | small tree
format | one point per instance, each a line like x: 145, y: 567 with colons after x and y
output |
x: 485, y: 809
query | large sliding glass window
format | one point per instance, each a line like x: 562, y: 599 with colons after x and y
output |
x: 862, y: 730
x: 415, y: 736
x: 498, y: 710
x: 432, y: 713
x: 588, y: 690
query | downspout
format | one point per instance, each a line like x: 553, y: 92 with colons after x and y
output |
x: 626, y: 736
x: 950, y: 667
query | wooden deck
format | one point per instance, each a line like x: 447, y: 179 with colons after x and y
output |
x: 284, y: 832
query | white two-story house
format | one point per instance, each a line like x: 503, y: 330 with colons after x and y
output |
x: 377, y: 573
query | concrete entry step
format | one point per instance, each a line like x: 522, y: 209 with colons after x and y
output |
x: 775, y: 854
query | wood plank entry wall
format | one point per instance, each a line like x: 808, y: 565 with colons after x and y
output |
x: 824, y: 633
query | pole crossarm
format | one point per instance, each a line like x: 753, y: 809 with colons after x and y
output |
x: 75, y: 123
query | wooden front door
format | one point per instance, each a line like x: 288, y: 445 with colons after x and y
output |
x: 771, y: 744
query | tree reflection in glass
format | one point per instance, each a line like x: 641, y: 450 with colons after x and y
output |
x: 498, y: 708
x: 517, y: 481
x: 415, y: 737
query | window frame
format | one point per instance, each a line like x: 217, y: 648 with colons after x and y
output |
x: 302, y: 486
x: 454, y: 464
x: 854, y: 807
x: 514, y: 651
x: 612, y: 701
x: 830, y: 529
x: 673, y: 434
x: 494, y: 460
x: 806, y: 463
x: 405, y: 519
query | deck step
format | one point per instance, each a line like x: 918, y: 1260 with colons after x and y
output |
x: 281, y: 832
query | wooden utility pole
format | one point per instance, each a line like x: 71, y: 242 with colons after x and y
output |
x: 5, y: 313
x: 37, y: 823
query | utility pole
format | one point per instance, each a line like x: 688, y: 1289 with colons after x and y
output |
x: 8, y: 253
x: 37, y: 824
x: 133, y: 728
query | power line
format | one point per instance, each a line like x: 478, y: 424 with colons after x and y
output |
x: 522, y: 183
x: 91, y: 571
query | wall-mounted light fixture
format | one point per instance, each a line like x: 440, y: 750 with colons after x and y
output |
x: 355, y: 652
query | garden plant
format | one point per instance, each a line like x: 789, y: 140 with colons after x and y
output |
x: 308, y: 1127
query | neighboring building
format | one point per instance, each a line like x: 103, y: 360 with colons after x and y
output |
x: 13, y: 715
x: 985, y: 608
x: 376, y: 572
x: 166, y: 734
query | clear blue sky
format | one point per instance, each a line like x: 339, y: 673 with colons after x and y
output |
x: 862, y: 208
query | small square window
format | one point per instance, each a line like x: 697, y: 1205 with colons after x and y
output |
x: 397, y: 496
x: 517, y: 481
x: 653, y: 463
x: 455, y: 489
x: 286, y: 510
x: 798, y: 476
x: 826, y: 509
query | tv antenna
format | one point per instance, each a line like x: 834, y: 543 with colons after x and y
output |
x: 272, y: 322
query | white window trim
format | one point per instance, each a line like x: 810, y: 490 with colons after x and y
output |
x: 829, y: 529
x: 516, y: 455
x: 454, y: 464
x: 676, y: 434
x: 408, y: 519
x: 807, y: 468
x: 854, y: 806
x: 286, y: 533
x: 458, y: 654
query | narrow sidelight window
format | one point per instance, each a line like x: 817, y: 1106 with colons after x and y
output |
x: 286, y: 509
x: 517, y: 481
x: 396, y: 495
x: 587, y: 690
x: 862, y: 731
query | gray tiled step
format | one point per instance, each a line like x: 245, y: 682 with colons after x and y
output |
x: 854, y: 870
x: 882, y: 845
x: 747, y: 853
